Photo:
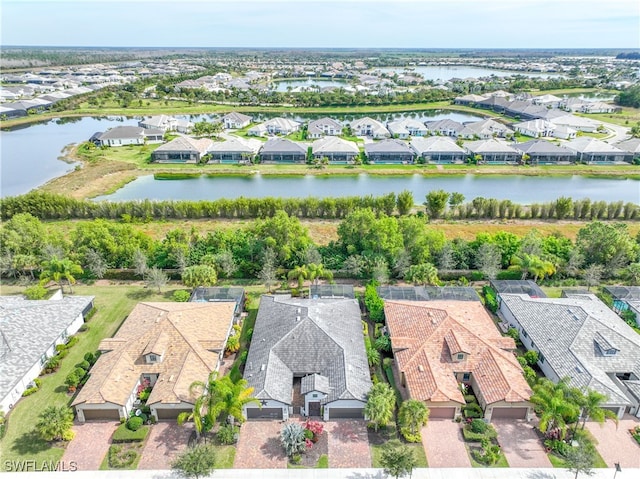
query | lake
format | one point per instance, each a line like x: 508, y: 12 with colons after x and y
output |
x: 447, y: 72
x: 308, y: 84
x: 517, y: 188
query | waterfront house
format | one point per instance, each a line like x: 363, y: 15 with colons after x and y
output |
x: 307, y: 357
x: 535, y: 128
x: 282, y: 150
x: 234, y: 150
x: 369, y: 127
x: 275, y: 126
x: 336, y: 150
x: 163, y: 346
x: 182, y: 150
x: 389, y: 151
x: 594, y: 151
x: 438, y: 149
x: 406, y: 127
x: 235, y: 121
x: 543, y: 152
x: 166, y: 123
x: 30, y: 330
x: 128, y: 135
x: 493, y: 151
x: 444, y: 127
x: 324, y: 127
x: 631, y: 145
x: 485, y: 129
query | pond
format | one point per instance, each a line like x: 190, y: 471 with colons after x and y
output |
x: 447, y: 72
x: 308, y: 84
x: 517, y: 188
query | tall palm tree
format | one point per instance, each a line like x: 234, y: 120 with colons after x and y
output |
x: 57, y: 269
x: 202, y: 404
x: 412, y: 416
x: 554, y: 406
x: 380, y: 405
x: 299, y: 273
x: 591, y: 407
x: 229, y: 398
x: 55, y: 423
x: 531, y: 265
x: 317, y: 272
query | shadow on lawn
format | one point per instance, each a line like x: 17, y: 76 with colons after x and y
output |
x: 30, y: 443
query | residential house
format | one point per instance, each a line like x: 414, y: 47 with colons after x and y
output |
x: 218, y: 294
x: 324, y: 127
x: 128, y: 135
x: 182, y: 150
x: 493, y: 152
x: 11, y: 110
x: 282, y: 150
x: 541, y: 152
x: 438, y: 149
x: 406, y: 127
x: 369, y: 127
x: 486, y: 129
x: 275, y: 126
x: 235, y: 121
x: 389, y: 151
x: 549, y: 101
x: 575, y: 122
x: 335, y: 149
x: 165, y: 346
x: 535, y: 128
x: 625, y: 298
x: 631, y: 145
x: 166, y: 123
x: 444, y: 127
x: 578, y: 337
x: 234, y: 150
x: 525, y: 110
x: 29, y: 333
x: 564, y: 132
x: 469, y: 100
x: 440, y: 345
x: 495, y: 103
x: 307, y: 357
x: 597, y: 107
x: 594, y: 151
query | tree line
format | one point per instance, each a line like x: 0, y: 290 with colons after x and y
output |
x: 438, y: 204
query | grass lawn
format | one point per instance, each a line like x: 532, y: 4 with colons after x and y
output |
x: 113, y: 304
x: 418, y: 453
x: 560, y: 463
x: 225, y: 455
x: 136, y: 447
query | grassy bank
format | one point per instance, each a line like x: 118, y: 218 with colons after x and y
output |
x: 113, y: 304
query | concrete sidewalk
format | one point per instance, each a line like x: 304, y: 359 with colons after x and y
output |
x: 475, y: 473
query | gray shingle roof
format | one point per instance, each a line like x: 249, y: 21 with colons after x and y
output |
x: 569, y: 333
x: 542, y: 146
x: 299, y: 337
x: 29, y: 328
x: 333, y: 144
x: 282, y: 145
x: 388, y: 146
x: 123, y: 132
x: 435, y: 144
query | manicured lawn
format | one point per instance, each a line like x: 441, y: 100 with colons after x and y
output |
x: 502, y: 462
x: 225, y: 455
x: 560, y: 463
x: 418, y: 452
x: 113, y: 304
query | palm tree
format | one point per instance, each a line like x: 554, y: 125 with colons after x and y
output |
x: 57, y: 269
x: 299, y: 273
x: 412, y: 416
x: 202, y: 404
x: 229, y: 398
x: 531, y: 264
x: 591, y: 408
x: 554, y: 406
x: 55, y: 423
x: 317, y: 272
x: 380, y: 405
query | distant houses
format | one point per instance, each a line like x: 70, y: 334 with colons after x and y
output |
x: 275, y: 126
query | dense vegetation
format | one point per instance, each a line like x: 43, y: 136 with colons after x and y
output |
x: 629, y: 97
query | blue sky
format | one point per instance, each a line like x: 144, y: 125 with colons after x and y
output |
x: 328, y: 24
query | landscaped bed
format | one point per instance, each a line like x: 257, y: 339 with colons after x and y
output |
x: 126, y: 447
x: 482, y: 445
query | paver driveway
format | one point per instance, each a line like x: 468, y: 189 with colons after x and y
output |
x: 90, y: 444
x: 259, y: 446
x: 348, y: 443
x: 616, y: 444
x: 165, y: 441
x: 520, y: 443
x: 444, y: 445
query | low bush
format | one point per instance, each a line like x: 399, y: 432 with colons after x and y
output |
x: 409, y: 436
x: 90, y: 314
x: 51, y: 365
x: 60, y: 347
x: 181, y: 296
x: 73, y: 340
x: 134, y: 423
x: 469, y: 398
x: 37, y: 291
x: 37, y: 382
x: 29, y: 391
x: 557, y: 446
x: 72, y: 379
x: 490, y: 298
x: 84, y: 365
x: 84, y: 327
x: 63, y: 353
x: 383, y: 343
x: 248, y: 334
x: 227, y: 434
x: 120, y: 458
x: 90, y: 358
x: 478, y: 426
x: 243, y: 356
x: 472, y: 410
x: 124, y: 434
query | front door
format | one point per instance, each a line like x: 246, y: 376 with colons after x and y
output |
x: 314, y: 408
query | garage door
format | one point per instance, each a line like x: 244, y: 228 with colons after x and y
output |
x: 509, y: 413
x: 264, y: 413
x: 442, y: 412
x: 170, y: 414
x: 101, y: 414
x: 346, y: 413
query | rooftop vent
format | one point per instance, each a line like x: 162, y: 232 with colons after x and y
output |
x: 420, y: 368
x: 263, y: 367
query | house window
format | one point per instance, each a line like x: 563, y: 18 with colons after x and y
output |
x: 460, y: 355
x: 466, y: 376
x: 541, y: 358
x: 524, y: 333
x: 64, y: 335
x: 314, y: 395
x: 43, y: 360
x: 152, y: 358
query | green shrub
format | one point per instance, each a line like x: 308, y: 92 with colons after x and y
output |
x: 52, y: 365
x: 63, y: 353
x: 478, y: 426
x: 531, y: 357
x: 37, y: 382
x: 84, y: 327
x: 60, y: 347
x: 559, y: 447
x: 383, y: 343
x: 85, y: 365
x: 529, y: 375
x: 72, y: 379
x: 134, y: 423
x: 472, y: 410
x: 308, y: 434
x: 124, y: 434
x: 181, y: 296
x: 90, y: 358
x: 469, y: 398
x: 490, y: 298
x: 90, y: 314
x: 119, y: 458
x: 227, y: 434
x: 365, y: 328
x: 243, y: 356
x: 73, y: 340
x: 248, y: 334
x: 37, y: 291
x: 29, y: 391
x: 80, y: 373
x: 409, y: 436
x: 374, y: 303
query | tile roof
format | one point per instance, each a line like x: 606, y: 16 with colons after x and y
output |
x: 425, y: 335
x: 233, y: 144
x: 332, y: 144
x: 542, y: 146
x: 568, y: 332
x: 28, y: 328
x: 388, y: 146
x: 184, y: 143
x: 282, y: 145
x: 586, y: 144
x: 299, y: 337
x: 188, y: 336
x: 435, y: 144
x: 489, y: 146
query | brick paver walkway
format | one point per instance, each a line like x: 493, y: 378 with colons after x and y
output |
x: 90, y: 444
x: 616, y: 444
x: 348, y: 444
x: 444, y: 445
x: 520, y: 443
x: 164, y: 442
x: 259, y: 446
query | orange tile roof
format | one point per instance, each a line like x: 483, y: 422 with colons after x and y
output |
x: 426, y: 334
x: 189, y: 337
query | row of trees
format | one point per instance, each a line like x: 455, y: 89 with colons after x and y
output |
x: 438, y: 204
x: 368, y: 245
